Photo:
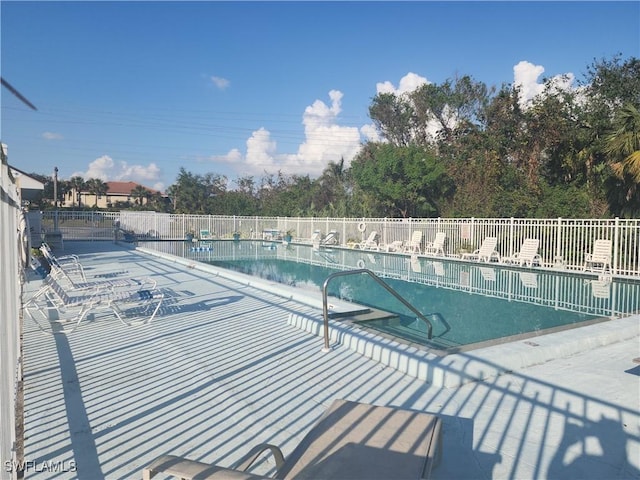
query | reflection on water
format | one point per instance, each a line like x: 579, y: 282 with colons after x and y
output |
x: 466, y: 302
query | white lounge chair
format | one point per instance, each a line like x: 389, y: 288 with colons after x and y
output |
x: 67, y: 264
x: 414, y: 244
x: 370, y: 243
x: 350, y: 441
x: 528, y: 254
x: 332, y: 238
x: 54, y: 297
x: 600, y: 258
x: 437, y: 246
x: 72, y: 275
x: 486, y: 253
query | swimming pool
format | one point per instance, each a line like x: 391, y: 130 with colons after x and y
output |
x: 468, y: 304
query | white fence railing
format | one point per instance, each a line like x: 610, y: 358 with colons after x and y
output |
x: 10, y: 293
x: 562, y: 241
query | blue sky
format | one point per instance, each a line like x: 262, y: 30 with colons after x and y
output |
x: 136, y: 90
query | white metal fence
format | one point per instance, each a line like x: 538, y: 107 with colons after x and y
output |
x: 10, y: 293
x: 562, y: 241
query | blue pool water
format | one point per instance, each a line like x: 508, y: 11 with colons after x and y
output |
x: 467, y: 303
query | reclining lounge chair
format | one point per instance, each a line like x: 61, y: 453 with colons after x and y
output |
x: 370, y: 243
x: 600, y: 258
x: 437, y: 246
x: 528, y: 254
x: 71, y: 275
x: 350, y: 441
x: 486, y: 253
x: 332, y: 238
x: 53, y: 299
x: 413, y: 245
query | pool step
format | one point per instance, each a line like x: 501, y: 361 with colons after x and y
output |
x: 373, y: 314
x: 362, y: 314
x: 348, y: 312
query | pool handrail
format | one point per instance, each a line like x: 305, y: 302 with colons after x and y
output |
x: 325, y: 308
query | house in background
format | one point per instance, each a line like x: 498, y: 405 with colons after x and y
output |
x: 118, y: 193
x: 30, y: 188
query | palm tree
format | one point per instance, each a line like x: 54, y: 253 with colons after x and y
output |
x: 139, y: 193
x: 77, y: 184
x: 96, y: 187
x: 623, y: 144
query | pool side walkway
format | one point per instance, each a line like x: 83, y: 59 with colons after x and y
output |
x: 221, y: 369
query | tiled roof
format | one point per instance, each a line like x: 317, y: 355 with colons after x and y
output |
x: 124, y: 188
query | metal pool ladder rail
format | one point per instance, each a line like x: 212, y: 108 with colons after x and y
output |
x: 325, y: 308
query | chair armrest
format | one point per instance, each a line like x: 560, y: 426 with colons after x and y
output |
x: 190, y: 469
x: 245, y: 462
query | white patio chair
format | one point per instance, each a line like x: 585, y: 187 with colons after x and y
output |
x: 413, y: 245
x: 528, y: 254
x: 72, y: 276
x: 370, y: 243
x: 332, y: 238
x: 600, y: 258
x: 437, y: 246
x: 205, y: 235
x: 486, y: 253
x: 53, y: 299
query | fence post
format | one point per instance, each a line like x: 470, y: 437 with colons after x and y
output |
x: 616, y: 244
x: 511, y: 236
x: 559, y: 253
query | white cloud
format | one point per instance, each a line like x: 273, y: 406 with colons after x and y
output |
x: 52, y: 136
x: 106, y: 169
x: 370, y: 133
x: 526, y: 75
x: 260, y: 150
x: 408, y: 83
x: 221, y: 83
x: 325, y: 140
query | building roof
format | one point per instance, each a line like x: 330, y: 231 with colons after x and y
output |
x: 28, y: 185
x: 124, y: 188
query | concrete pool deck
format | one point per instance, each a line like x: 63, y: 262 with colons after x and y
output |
x: 222, y: 368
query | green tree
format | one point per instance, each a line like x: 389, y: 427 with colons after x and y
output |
x: 139, y: 194
x: 77, y: 185
x: 394, y: 117
x: 623, y: 144
x: 405, y: 181
x: 159, y: 203
x: 96, y: 187
x: 623, y: 148
x: 454, y: 105
x: 608, y: 86
x: 197, y: 193
x: 331, y: 190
